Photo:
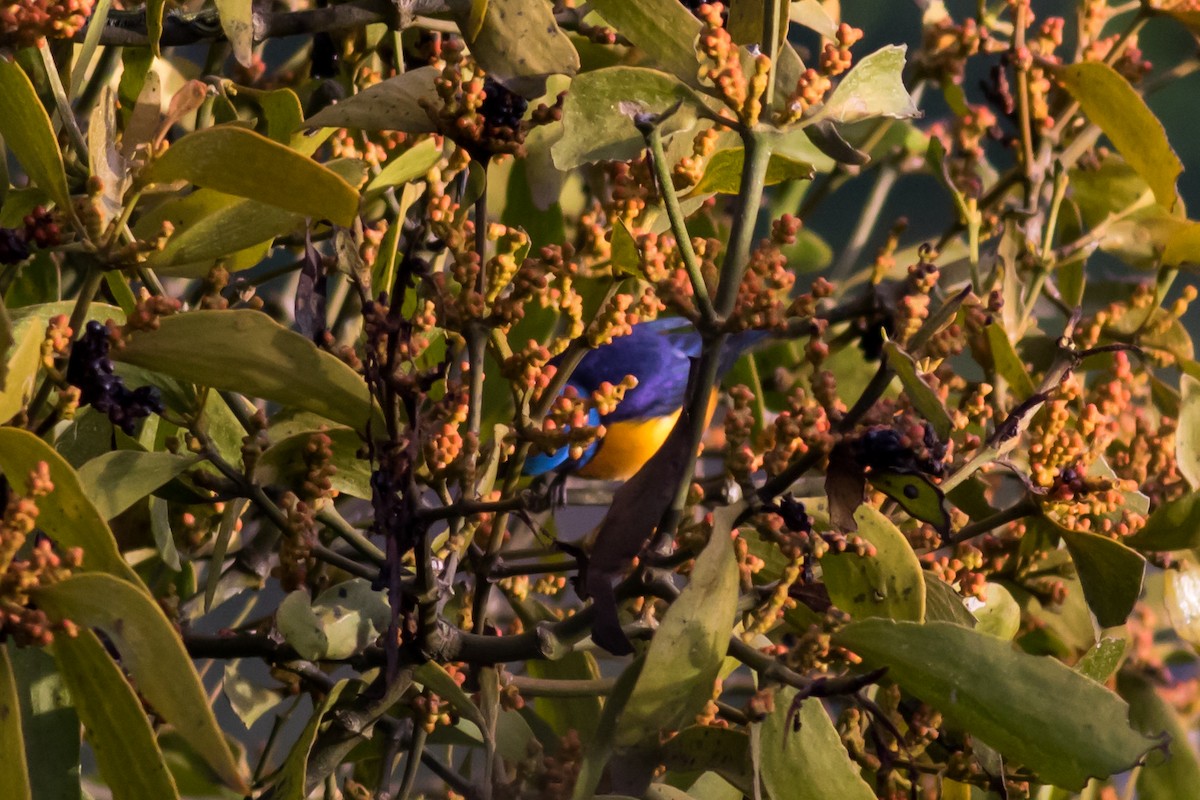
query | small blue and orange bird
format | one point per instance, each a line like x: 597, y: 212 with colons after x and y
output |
x: 658, y: 354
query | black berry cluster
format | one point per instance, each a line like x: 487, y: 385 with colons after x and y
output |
x: 38, y: 230
x: 91, y: 370
x: 885, y: 449
x: 794, y: 514
x: 13, y: 247
x: 502, y: 110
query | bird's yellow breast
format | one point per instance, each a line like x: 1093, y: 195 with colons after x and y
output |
x: 629, y: 444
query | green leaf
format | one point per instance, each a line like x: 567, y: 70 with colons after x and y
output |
x: 1177, y: 774
x: 210, y: 225
x: 518, y: 43
x: 154, y: 24
x: 625, y: 258
x: 1181, y: 599
x: 532, y: 195
x: 811, y: 749
x: 433, y: 676
x: 118, y: 730
x: 999, y: 615
x: 24, y: 360
x: 474, y: 19
x: 1159, y: 330
x: 874, y: 87
x: 663, y: 30
x: 22, y: 363
x: 292, y: 779
x: 49, y: 723
x: 686, y: 652
x: 812, y: 15
x: 723, y: 173
x: 1111, y: 103
x: 721, y: 750
x: 237, y: 21
x: 1110, y: 573
x: 343, y: 620
x: 943, y: 604
x: 1187, y: 434
x: 983, y: 685
x: 247, y: 699
x: 246, y: 164
x: 28, y: 134
x: 887, y: 584
x: 67, y: 516
x: 229, y: 519
x: 14, y: 778
x: 600, y: 107
x: 207, y: 347
x: 1182, y: 245
x: 924, y: 399
x: 91, y: 40
x: 117, y: 480
x: 1008, y: 364
x: 164, y: 538
x: 281, y: 113
x: 1101, y: 662
x: 600, y: 749
x: 391, y: 105
x: 152, y: 654
x: 917, y: 495
x: 215, y: 225
x: 1183, y: 12
x: 413, y: 163
x: 282, y: 464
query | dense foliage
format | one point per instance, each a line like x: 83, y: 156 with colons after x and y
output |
x: 312, y: 315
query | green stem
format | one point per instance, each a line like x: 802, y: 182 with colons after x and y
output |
x: 62, y: 103
x: 554, y: 687
x: 1023, y: 111
x: 770, y: 43
x: 1060, y: 192
x: 331, y: 519
x: 683, y: 239
x: 737, y: 254
x: 733, y: 268
x: 90, y: 41
x: 476, y: 332
x: 679, y: 227
x: 87, y: 293
x: 411, y: 764
x: 974, y: 222
x: 1024, y: 508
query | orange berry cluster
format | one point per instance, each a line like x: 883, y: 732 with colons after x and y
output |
x: 41, y: 565
x: 23, y: 23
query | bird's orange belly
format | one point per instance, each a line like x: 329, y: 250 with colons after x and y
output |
x: 629, y: 444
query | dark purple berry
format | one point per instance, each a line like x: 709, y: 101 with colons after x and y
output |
x: 794, y: 515
x: 91, y: 370
x: 13, y: 247
x: 502, y: 110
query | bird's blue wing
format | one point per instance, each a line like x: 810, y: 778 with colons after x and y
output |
x: 541, y: 463
x: 658, y: 353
